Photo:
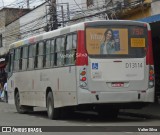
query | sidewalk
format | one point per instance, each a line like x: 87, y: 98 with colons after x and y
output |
x: 3, y: 100
x: 151, y: 110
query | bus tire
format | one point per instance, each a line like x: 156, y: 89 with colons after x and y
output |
x: 53, y: 113
x: 20, y: 109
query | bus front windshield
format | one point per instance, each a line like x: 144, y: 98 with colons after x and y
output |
x: 128, y: 41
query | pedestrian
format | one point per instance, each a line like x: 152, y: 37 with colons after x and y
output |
x: 1, y: 92
x: 5, y: 92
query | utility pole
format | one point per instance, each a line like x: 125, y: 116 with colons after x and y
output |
x: 68, y: 13
x: 51, y: 15
x: 28, y: 4
x: 52, y: 19
x: 54, y: 22
x: 62, y: 15
x: 108, y: 3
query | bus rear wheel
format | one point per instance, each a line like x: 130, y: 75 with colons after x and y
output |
x: 53, y: 113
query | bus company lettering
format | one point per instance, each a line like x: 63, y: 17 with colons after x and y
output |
x: 66, y: 55
x: 95, y: 36
x: 73, y: 55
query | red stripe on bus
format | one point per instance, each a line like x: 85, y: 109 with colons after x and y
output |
x: 149, y: 55
x: 81, y: 55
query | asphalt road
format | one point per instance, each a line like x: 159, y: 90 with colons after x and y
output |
x: 9, y: 117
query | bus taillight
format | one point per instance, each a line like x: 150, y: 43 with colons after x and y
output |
x: 83, y: 78
x: 83, y: 73
x: 151, y: 76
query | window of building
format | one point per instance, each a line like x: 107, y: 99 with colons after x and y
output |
x: 90, y: 3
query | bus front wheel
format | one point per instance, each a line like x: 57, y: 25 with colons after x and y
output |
x: 53, y: 113
x: 20, y: 108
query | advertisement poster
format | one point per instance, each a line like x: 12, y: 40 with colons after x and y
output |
x: 107, y: 41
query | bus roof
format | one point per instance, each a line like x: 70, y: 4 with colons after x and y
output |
x: 67, y: 29
x: 47, y: 35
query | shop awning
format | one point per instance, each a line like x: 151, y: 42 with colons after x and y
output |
x: 154, y: 22
x: 151, y: 19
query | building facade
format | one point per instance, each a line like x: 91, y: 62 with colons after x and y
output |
x: 7, y: 16
x: 34, y: 22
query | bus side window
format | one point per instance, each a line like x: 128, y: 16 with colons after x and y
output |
x: 46, y: 58
x: 30, y: 57
x: 16, y: 59
x: 60, y: 51
x: 53, y: 63
x: 24, y: 58
x: 74, y: 41
x: 71, y: 49
x: 10, y: 64
x: 39, y: 55
x: 20, y: 58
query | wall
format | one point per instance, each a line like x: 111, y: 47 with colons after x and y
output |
x: 2, y: 19
x: 155, y: 7
x: 34, y: 22
x: 13, y: 14
x: 74, y: 8
x: 12, y: 33
x: 8, y: 15
x: 2, y: 29
x: 140, y: 13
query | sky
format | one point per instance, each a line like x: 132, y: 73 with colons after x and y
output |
x: 6, y: 2
x: 17, y: 3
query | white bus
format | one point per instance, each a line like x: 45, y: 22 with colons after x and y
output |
x: 98, y: 65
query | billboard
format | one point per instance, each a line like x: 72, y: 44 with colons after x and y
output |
x: 107, y: 41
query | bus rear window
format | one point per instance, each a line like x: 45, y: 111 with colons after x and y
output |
x: 129, y: 41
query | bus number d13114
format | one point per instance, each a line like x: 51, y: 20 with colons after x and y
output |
x: 134, y: 65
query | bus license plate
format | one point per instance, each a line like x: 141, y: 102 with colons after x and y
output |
x: 118, y: 84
